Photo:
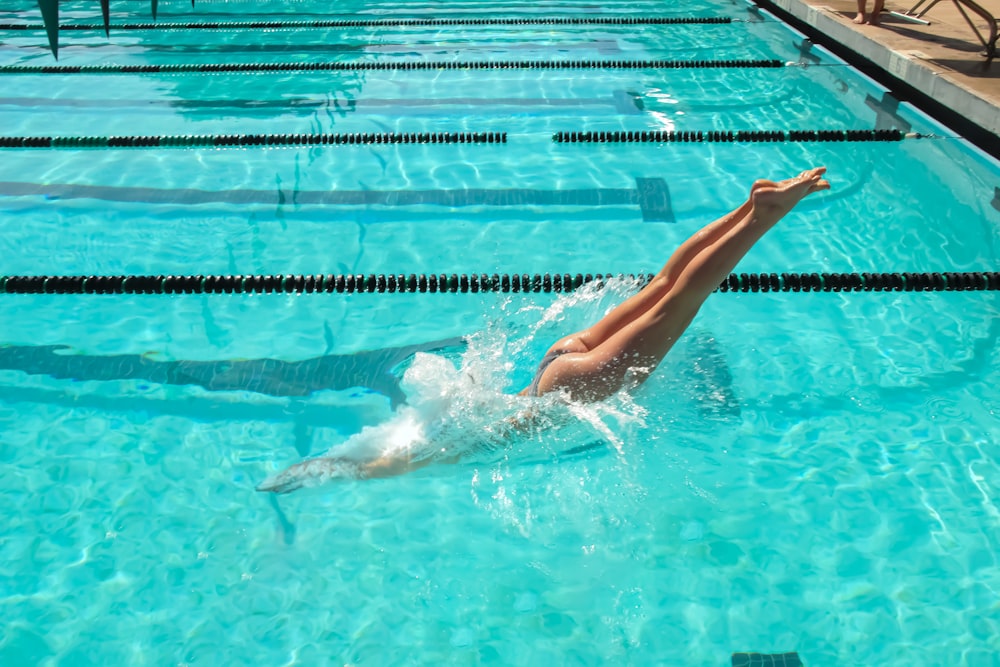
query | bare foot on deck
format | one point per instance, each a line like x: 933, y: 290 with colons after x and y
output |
x: 773, y: 202
x: 860, y: 18
x: 876, y: 12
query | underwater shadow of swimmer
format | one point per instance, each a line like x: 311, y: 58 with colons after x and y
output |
x: 702, y: 368
x: 371, y: 369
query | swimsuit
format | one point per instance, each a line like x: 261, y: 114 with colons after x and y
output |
x: 546, y: 360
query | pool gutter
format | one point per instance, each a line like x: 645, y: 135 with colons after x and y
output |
x: 905, y: 73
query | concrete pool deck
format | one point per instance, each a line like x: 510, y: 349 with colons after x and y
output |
x: 942, y: 60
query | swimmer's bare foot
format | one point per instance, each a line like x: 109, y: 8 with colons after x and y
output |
x: 760, y: 184
x: 860, y: 18
x: 771, y: 203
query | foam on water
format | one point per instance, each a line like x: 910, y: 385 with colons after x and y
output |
x: 464, y: 412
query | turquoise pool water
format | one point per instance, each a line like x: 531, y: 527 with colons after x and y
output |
x: 807, y: 472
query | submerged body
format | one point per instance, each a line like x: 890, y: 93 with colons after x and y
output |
x: 453, y: 412
x: 619, y: 351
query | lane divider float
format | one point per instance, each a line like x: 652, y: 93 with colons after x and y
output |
x: 472, y: 283
x: 724, y: 136
x: 383, y: 23
x: 365, y: 138
x: 244, y: 140
x: 382, y: 65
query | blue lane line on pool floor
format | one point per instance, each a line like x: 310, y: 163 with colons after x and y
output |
x: 651, y: 195
x: 766, y: 660
x: 654, y: 200
x: 625, y: 102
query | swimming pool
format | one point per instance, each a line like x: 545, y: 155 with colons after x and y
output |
x: 807, y: 472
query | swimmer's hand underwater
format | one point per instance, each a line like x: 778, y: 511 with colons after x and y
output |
x: 323, y: 469
x: 313, y: 472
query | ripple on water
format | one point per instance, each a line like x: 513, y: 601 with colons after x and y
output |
x: 845, y: 508
x: 24, y: 645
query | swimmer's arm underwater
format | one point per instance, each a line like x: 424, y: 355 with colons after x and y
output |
x: 323, y: 469
x: 327, y: 468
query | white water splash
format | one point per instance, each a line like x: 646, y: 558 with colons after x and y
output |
x: 464, y: 413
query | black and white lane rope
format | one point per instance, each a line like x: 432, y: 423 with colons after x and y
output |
x: 471, y: 283
x: 385, y: 23
x: 383, y: 65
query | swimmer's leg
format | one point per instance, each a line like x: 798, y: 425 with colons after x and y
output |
x: 630, y: 309
x: 682, y: 286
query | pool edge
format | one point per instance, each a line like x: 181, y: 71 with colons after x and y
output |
x: 970, y: 112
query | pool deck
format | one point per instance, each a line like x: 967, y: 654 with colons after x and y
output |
x: 942, y: 60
